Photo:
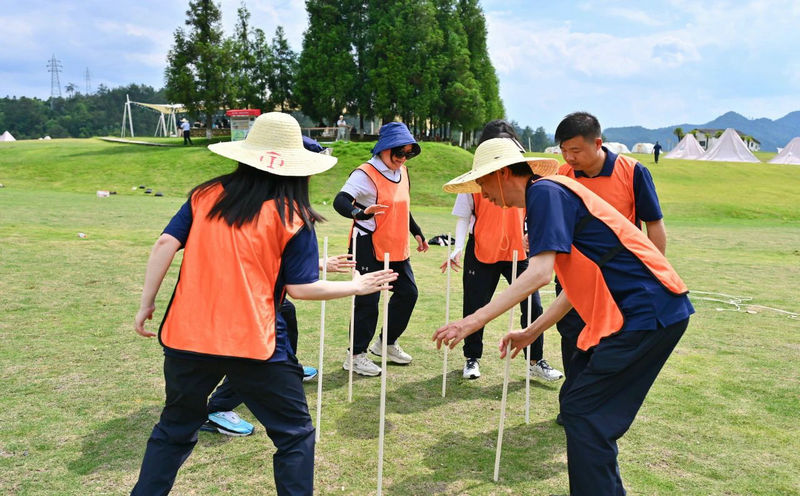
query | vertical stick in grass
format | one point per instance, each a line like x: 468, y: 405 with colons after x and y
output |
x: 352, y: 327
x: 446, y: 319
x: 321, y: 340
x: 505, y: 381
x: 527, y: 373
x: 384, y: 340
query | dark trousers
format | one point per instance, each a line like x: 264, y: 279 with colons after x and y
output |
x: 225, y: 398
x: 401, y: 303
x: 480, y: 282
x: 272, y: 391
x: 570, y: 326
x: 603, y: 391
x: 187, y: 139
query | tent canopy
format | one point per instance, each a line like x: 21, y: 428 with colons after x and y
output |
x: 643, y: 148
x: 615, y: 147
x: 790, y: 154
x: 688, y: 148
x: 164, y: 108
x: 553, y: 149
x: 729, y: 148
x: 6, y: 136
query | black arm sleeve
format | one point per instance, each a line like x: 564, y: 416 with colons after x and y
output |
x: 343, y: 204
x: 414, y: 228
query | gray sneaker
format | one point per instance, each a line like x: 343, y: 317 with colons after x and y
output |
x: 361, y: 365
x: 394, y: 353
x: 472, y: 369
x: 543, y: 370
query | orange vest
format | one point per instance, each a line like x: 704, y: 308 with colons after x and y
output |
x: 498, y: 231
x: 583, y: 281
x: 616, y: 189
x: 391, y: 228
x: 224, y: 302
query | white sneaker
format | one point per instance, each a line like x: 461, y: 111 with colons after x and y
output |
x: 394, y: 353
x: 472, y: 368
x: 543, y: 370
x: 361, y: 365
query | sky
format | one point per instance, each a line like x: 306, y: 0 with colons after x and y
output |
x: 648, y: 63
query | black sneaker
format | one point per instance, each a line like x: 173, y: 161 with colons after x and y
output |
x: 559, y: 420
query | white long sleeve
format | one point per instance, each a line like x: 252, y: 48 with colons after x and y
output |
x: 462, y: 228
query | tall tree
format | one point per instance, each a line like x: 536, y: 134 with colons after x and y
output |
x: 281, y: 78
x: 474, y: 23
x: 199, y: 64
x: 244, y: 76
x: 539, y: 140
x: 326, y: 69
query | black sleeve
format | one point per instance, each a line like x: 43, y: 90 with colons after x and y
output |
x: 414, y: 228
x: 343, y: 204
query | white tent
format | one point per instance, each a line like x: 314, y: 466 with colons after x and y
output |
x: 643, y: 148
x: 790, y: 154
x: 165, y: 127
x: 6, y: 136
x: 729, y: 148
x: 615, y: 147
x: 553, y: 149
x: 688, y: 148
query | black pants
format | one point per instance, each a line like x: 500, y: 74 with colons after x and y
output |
x: 603, y: 391
x: 225, y: 398
x: 480, y: 282
x: 187, y: 138
x: 272, y: 391
x: 401, y: 303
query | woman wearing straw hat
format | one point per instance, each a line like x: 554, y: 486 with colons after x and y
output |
x: 634, y: 304
x: 248, y: 240
x: 377, y: 196
x: 494, y: 233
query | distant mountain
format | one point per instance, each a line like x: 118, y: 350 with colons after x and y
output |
x: 771, y: 134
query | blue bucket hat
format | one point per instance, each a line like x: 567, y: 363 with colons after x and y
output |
x: 392, y: 135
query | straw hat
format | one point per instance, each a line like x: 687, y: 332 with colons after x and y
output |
x: 184, y: 120
x: 275, y: 144
x: 493, y: 155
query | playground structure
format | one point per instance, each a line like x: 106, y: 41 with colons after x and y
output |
x: 170, y: 110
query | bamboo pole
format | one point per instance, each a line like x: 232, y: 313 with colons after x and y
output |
x: 321, y: 341
x: 505, y: 381
x: 384, y: 340
x: 446, y: 320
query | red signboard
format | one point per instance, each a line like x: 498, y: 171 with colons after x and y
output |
x: 243, y: 112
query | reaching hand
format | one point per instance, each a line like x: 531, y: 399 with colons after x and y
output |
x: 373, y: 281
x: 519, y: 340
x: 376, y: 209
x: 340, y: 263
x: 138, y: 322
x: 450, y: 334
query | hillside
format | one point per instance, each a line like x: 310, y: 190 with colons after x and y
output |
x: 771, y: 134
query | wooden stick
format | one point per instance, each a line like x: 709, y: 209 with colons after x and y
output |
x: 321, y: 341
x: 527, y: 372
x: 446, y: 319
x: 352, y: 326
x: 384, y: 340
x: 505, y: 382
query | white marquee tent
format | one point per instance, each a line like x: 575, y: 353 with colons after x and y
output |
x: 790, y: 154
x: 687, y: 148
x: 165, y: 127
x: 643, y: 148
x: 729, y: 148
x: 553, y: 149
x: 6, y: 136
x: 615, y: 147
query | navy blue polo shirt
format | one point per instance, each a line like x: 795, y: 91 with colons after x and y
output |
x: 644, y: 189
x: 299, y: 265
x: 553, y: 211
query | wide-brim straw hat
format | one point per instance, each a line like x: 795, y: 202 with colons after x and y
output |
x: 184, y: 120
x: 493, y: 155
x: 275, y: 145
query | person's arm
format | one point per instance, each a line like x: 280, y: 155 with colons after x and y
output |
x: 343, y: 204
x: 160, y: 259
x: 657, y: 233
x: 422, y: 245
x: 462, y: 226
x: 328, y: 290
x: 539, y: 273
x: 338, y: 263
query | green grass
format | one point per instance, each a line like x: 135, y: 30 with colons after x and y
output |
x: 81, y: 390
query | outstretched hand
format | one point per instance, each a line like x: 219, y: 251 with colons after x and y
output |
x: 373, y: 281
x: 451, y: 334
x: 376, y: 209
x: 340, y: 263
x: 518, y: 340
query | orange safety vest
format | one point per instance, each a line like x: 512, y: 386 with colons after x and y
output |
x: 224, y: 302
x: 391, y: 228
x: 616, y: 189
x: 497, y: 231
x: 583, y: 281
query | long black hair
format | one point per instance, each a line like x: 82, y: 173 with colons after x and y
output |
x: 247, y: 188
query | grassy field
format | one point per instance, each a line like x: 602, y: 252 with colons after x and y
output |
x: 81, y: 390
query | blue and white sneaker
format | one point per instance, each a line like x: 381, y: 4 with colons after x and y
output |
x: 230, y: 424
x: 309, y: 373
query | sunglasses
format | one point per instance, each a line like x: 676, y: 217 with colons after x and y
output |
x: 400, y: 153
